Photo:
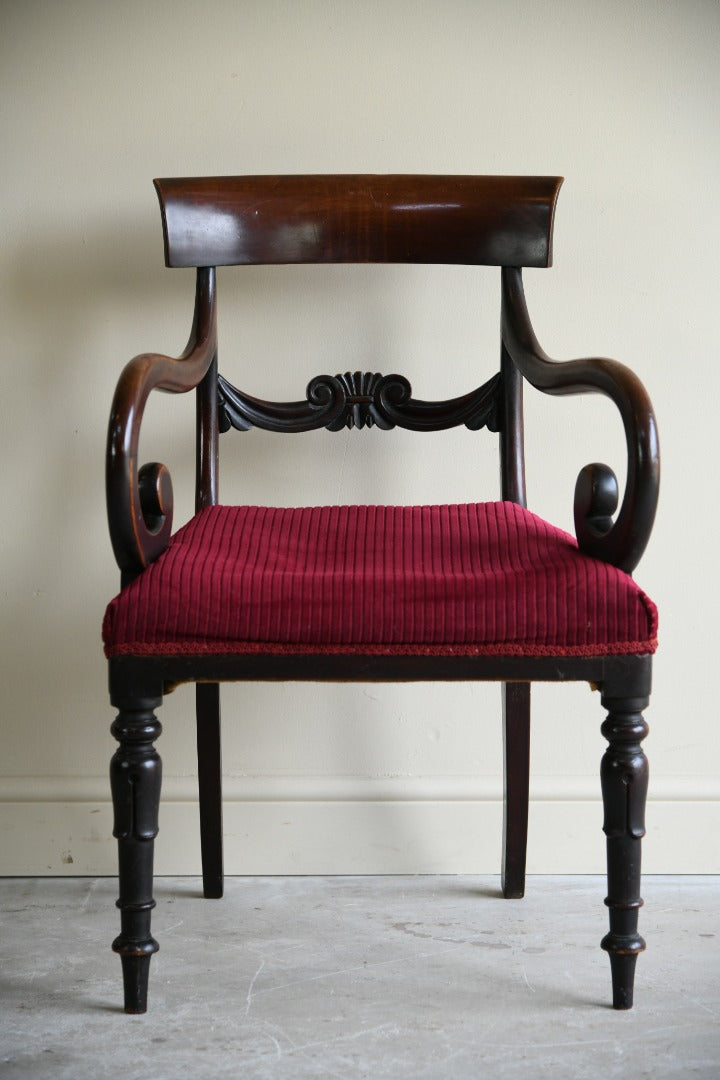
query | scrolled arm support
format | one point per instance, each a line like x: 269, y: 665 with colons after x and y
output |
x: 620, y: 541
x: 139, y: 501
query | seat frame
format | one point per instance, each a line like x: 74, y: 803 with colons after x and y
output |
x: 140, y: 516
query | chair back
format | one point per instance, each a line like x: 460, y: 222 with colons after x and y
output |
x: 251, y: 220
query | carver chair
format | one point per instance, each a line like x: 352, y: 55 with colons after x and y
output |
x: 479, y: 591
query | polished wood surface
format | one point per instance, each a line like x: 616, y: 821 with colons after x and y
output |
x: 623, y: 541
x: 516, y: 787
x: 162, y: 674
x: 135, y: 778
x: 507, y: 221
x: 359, y: 399
x: 624, y: 779
x: 207, y: 438
x: 235, y: 220
x: 207, y: 703
x: 140, y: 501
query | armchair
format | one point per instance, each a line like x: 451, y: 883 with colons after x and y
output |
x: 481, y: 591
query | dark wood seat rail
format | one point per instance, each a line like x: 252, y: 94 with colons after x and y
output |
x: 472, y: 220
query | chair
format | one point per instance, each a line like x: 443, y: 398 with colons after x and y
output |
x: 482, y: 591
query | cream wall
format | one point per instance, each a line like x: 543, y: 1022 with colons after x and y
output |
x: 96, y: 99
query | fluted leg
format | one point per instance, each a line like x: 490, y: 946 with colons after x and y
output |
x: 624, y: 777
x: 135, y: 774
x: 516, y: 749
x: 210, y: 787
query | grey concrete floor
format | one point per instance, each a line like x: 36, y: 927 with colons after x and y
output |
x: 359, y: 977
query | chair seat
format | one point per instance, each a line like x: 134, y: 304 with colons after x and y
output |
x: 485, y: 578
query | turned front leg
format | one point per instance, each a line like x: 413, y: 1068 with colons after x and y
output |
x: 624, y: 777
x: 135, y: 774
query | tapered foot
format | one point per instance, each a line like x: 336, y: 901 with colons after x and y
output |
x: 136, y: 970
x: 622, y: 970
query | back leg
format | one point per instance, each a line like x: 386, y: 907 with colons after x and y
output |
x: 207, y: 700
x: 516, y: 749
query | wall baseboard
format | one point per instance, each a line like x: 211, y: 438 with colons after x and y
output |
x: 335, y: 826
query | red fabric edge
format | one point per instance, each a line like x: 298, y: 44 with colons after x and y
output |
x: 251, y: 648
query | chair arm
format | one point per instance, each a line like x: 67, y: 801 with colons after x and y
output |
x: 620, y: 542
x: 140, y: 502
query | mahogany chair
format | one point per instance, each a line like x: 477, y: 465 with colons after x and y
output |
x: 483, y: 591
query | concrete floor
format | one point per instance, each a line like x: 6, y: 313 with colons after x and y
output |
x: 376, y: 977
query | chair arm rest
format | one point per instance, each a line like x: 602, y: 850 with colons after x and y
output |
x: 140, y: 501
x: 622, y: 541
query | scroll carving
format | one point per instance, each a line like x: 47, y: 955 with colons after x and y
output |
x: 620, y: 540
x: 360, y: 399
x: 139, y: 500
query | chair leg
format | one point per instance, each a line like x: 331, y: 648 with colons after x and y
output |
x: 135, y: 776
x: 516, y: 748
x: 207, y: 699
x: 624, y: 777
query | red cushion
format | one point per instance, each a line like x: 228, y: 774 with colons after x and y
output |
x: 488, y: 578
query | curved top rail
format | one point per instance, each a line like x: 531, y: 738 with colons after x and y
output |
x: 246, y: 220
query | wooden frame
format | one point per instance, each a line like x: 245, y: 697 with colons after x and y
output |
x: 503, y: 221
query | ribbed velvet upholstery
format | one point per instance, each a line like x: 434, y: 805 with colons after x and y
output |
x: 487, y: 578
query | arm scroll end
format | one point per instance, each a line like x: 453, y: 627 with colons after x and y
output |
x: 156, y: 498
x: 596, y: 500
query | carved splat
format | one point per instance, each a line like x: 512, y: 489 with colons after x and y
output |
x: 360, y: 399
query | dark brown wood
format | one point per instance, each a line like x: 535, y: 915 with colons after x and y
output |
x: 624, y: 776
x: 507, y: 221
x: 624, y: 682
x: 623, y: 541
x: 164, y: 673
x: 512, y: 432
x: 135, y: 775
x: 140, y: 514
x: 233, y: 220
x: 207, y: 697
x: 207, y: 445
x: 516, y: 777
x: 515, y: 696
x: 360, y: 399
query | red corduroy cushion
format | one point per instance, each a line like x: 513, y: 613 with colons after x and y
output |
x: 487, y: 578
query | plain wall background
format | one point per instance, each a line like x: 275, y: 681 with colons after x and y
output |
x: 619, y: 97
